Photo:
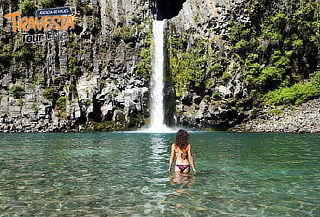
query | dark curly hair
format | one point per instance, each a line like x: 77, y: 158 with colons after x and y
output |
x: 182, y: 139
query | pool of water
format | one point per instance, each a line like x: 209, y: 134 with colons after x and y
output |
x: 125, y: 174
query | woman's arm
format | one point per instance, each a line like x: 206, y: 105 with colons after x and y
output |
x: 171, y: 156
x: 191, y: 158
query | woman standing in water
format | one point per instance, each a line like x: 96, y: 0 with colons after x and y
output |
x: 181, y: 150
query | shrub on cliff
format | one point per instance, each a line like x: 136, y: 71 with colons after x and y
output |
x: 316, y: 78
x: 278, y: 50
x: 273, y: 47
x: 143, y: 67
x: 17, y: 91
x: 62, y: 103
x: 295, y: 94
x: 49, y: 94
x: 190, y: 69
x: 27, y: 7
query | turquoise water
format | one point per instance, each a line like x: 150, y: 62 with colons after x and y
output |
x: 125, y: 174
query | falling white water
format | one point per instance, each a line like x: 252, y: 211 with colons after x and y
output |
x: 157, y: 84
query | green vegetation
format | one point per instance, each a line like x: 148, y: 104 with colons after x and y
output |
x: 84, y: 8
x: 126, y: 33
x: 102, y: 83
x: 37, y: 57
x: 17, y: 91
x: 196, y: 17
x: 296, y: 94
x: 49, y: 94
x: 144, y: 67
x: 24, y: 54
x: 20, y: 102
x: 27, y: 7
x: 13, y: 49
x: 47, y: 3
x: 74, y: 66
x: 87, y: 102
x: 278, y: 48
x: 276, y: 111
x: 196, y: 67
x: 73, y: 62
x: 35, y: 106
x: 187, y: 71
x: 272, y: 55
x: 62, y: 103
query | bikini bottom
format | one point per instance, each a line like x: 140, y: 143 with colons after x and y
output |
x: 182, y: 167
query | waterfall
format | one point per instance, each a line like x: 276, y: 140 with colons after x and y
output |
x: 157, y: 84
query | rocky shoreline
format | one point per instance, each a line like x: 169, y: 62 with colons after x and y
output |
x: 304, y: 118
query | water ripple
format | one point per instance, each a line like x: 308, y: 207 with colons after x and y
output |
x: 125, y: 174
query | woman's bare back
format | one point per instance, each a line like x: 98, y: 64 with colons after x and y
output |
x: 181, y: 155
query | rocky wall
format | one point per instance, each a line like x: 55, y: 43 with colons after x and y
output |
x: 223, y: 59
x: 208, y: 88
x: 98, y: 79
x: 91, y: 81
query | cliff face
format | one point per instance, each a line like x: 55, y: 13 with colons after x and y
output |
x: 206, y: 82
x: 97, y: 77
x: 225, y: 58
x: 229, y: 58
